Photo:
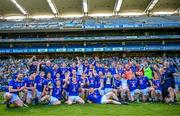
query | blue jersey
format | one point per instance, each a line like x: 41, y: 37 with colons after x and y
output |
x: 108, y: 82
x: 29, y: 83
x: 143, y: 82
x: 117, y: 83
x: 85, y: 69
x: 32, y: 68
x: 98, y: 69
x: 57, y: 92
x: 105, y: 70
x: 133, y: 84
x: 99, y: 80
x: 92, y: 82
x: 133, y: 68
x: 48, y: 69
x: 16, y: 85
x: 63, y: 71
x: 40, y: 82
x: 120, y: 71
x: 157, y: 84
x: 95, y: 97
x: 113, y: 70
x: 83, y: 82
x: 74, y: 89
x: 49, y: 81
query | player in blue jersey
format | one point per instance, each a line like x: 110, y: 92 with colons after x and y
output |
x: 30, y: 84
x: 100, y: 82
x: 47, y: 68
x: 157, y: 87
x: 91, y: 80
x: 133, y: 86
x: 63, y: 70
x: 108, y: 83
x: 143, y: 86
x: 15, y: 87
x: 54, y: 93
x: 117, y: 85
x: 86, y: 67
x: 32, y: 64
x: 74, y: 90
x: 95, y: 97
x: 48, y: 80
x: 167, y: 85
x: 40, y: 84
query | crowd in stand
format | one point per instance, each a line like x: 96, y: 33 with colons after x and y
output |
x: 88, y: 79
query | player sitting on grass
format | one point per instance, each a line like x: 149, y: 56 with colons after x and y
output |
x: 117, y: 85
x: 133, y: 86
x: 40, y: 84
x: 157, y: 87
x: 125, y: 89
x: 15, y: 87
x: 143, y: 86
x: 95, y: 97
x: 54, y: 94
x: 108, y: 83
x: 31, y: 93
x: 74, y: 90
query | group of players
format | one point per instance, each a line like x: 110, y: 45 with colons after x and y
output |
x: 82, y: 82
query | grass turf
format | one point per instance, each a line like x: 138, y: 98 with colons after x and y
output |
x: 155, y: 109
x: 140, y: 109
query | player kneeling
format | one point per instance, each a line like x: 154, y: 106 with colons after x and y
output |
x: 143, y: 86
x: 95, y: 97
x: 158, y: 89
x: 31, y: 93
x: 74, y: 90
x: 15, y: 87
x: 133, y: 87
x: 54, y: 93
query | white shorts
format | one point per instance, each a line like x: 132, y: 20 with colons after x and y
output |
x: 38, y: 94
x: 144, y: 91
x: 105, y: 98
x: 74, y: 98
x: 29, y: 95
x: 107, y: 90
x: 158, y: 91
x: 125, y: 87
x: 53, y: 100
x: 133, y: 92
x: 101, y: 92
x: 13, y: 98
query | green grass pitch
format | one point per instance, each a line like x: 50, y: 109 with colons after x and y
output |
x: 135, y: 109
x: 140, y: 109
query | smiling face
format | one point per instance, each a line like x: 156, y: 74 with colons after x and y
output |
x: 48, y: 63
x: 49, y: 76
x: 20, y: 76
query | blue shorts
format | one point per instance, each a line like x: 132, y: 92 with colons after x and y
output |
x: 134, y: 91
x: 144, y: 91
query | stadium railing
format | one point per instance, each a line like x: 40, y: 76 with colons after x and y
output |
x: 150, y: 37
x: 93, y: 23
x: 90, y: 49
